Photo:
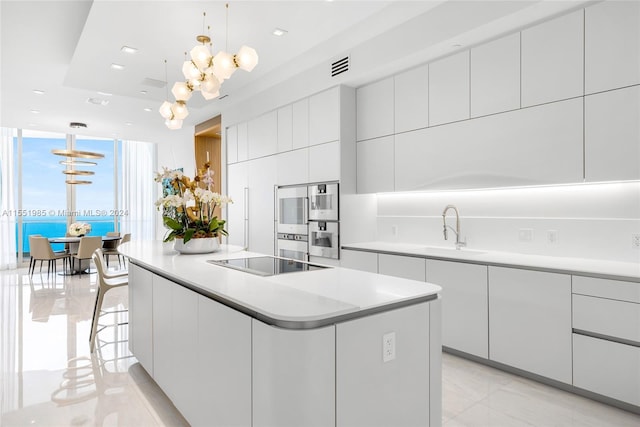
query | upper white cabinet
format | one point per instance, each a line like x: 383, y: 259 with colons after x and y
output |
x: 402, y: 266
x: 374, y: 114
x: 530, y: 321
x: 243, y: 142
x: 612, y: 135
x: 293, y: 167
x: 285, y: 128
x: 324, y: 162
x: 324, y: 116
x: 232, y: 144
x: 541, y: 145
x: 495, y: 76
x: 612, y: 45
x: 263, y: 135
x: 552, y: 60
x: 411, y: 99
x: 449, y: 89
x: 300, y: 125
x: 375, y: 165
x: 465, y: 317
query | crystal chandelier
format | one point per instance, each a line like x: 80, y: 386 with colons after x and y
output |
x: 205, y: 73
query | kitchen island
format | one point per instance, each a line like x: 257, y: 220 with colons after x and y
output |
x: 328, y: 347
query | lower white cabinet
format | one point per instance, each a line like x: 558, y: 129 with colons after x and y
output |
x: 358, y: 260
x: 262, y: 177
x: 294, y: 370
x: 141, y: 316
x: 465, y: 317
x: 402, y: 266
x: 530, y: 321
x: 608, y: 368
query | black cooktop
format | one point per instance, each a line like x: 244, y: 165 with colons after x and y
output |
x: 266, y: 265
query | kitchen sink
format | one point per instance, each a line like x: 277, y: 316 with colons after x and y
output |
x: 439, y: 250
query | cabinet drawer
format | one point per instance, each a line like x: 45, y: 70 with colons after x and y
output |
x: 606, y: 288
x: 607, y: 368
x: 616, y: 319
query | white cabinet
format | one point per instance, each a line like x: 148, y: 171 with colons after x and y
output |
x: 359, y: 260
x: 495, y: 76
x: 375, y: 166
x: 449, y: 89
x: 285, y: 128
x: 243, y: 142
x: 402, y: 266
x: 222, y: 392
x: 293, y: 370
x: 262, y: 174
x: 608, y: 368
x: 374, y: 115
x: 552, y: 60
x: 237, y: 212
x: 612, y: 45
x: 300, y: 125
x: 324, y: 162
x: 263, y: 135
x: 530, y: 321
x: 367, y: 386
x: 411, y: 99
x: 464, y: 305
x: 606, y: 317
x: 232, y: 144
x: 324, y: 116
x: 541, y: 145
x: 612, y: 135
x: 141, y: 316
x: 293, y: 167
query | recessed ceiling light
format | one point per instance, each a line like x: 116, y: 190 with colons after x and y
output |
x: 144, y: 92
x: 128, y: 49
x: 77, y: 125
x: 97, y: 101
x: 104, y: 93
x: 117, y: 67
x: 38, y: 92
x: 147, y: 109
x: 129, y: 124
x: 456, y: 45
x: 279, y: 32
x: 35, y: 111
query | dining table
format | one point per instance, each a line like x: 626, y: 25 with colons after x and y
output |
x: 74, y: 243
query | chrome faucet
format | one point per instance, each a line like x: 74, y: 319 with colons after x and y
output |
x: 459, y: 244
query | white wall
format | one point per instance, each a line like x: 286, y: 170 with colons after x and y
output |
x: 177, y: 153
x: 591, y: 220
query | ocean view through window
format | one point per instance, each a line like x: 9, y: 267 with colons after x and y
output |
x: 48, y: 205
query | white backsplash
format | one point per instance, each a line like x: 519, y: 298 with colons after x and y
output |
x: 590, y: 220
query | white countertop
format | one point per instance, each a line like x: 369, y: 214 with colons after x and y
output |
x: 579, y: 266
x: 297, y: 300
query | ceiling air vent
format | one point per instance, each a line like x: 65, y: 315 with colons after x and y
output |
x: 340, y: 66
x: 147, y: 81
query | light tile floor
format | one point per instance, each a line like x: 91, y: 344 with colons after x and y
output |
x: 49, y: 377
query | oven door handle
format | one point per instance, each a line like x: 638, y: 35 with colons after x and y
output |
x: 305, y: 211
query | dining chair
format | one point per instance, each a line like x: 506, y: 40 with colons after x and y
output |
x: 87, y: 247
x: 104, y: 285
x: 110, y: 247
x: 32, y: 260
x: 110, y: 274
x: 41, y: 250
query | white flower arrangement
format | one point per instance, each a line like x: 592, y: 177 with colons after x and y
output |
x: 79, y: 229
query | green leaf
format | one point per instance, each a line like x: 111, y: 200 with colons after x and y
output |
x: 188, y: 234
x: 213, y: 225
x: 171, y: 223
x: 170, y: 236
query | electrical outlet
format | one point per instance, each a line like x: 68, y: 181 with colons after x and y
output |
x: 552, y: 236
x: 635, y: 241
x: 388, y: 347
x: 394, y: 230
x: 525, y: 234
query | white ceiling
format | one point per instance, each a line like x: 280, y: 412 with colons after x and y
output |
x: 65, y: 48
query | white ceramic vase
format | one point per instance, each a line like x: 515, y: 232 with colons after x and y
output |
x: 197, y: 246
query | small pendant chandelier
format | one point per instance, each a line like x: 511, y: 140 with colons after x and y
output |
x: 205, y: 73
